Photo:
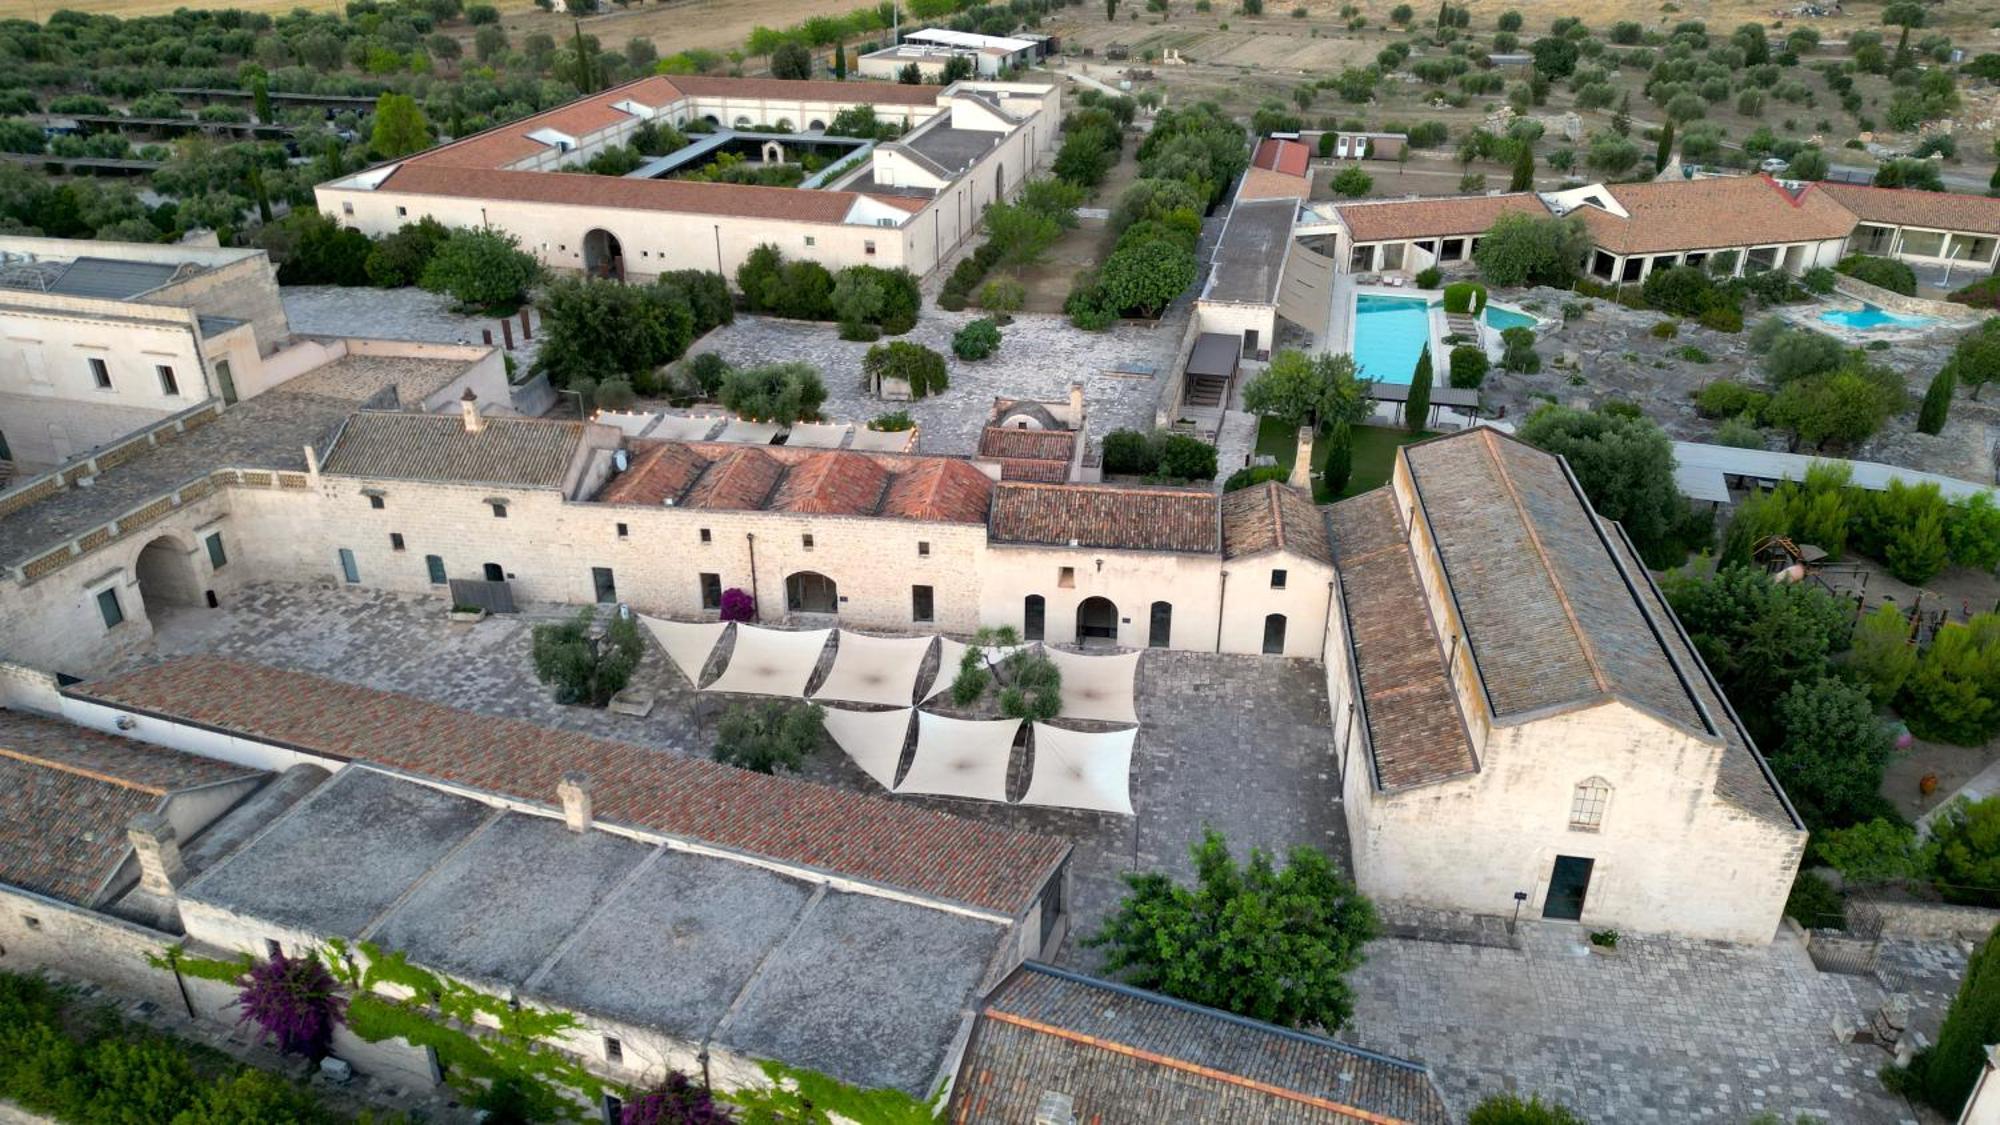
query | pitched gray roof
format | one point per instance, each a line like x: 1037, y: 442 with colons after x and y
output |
x: 1125, y: 1055
x: 436, y: 447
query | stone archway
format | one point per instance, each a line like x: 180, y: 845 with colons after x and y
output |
x: 1096, y: 621
x: 811, y: 592
x: 168, y: 577
x: 602, y: 255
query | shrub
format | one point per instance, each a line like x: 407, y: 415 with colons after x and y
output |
x: 295, y: 1001
x: 1003, y: 295
x: 707, y: 370
x: 1721, y: 318
x: 1665, y: 329
x: 1253, y: 475
x: 481, y: 268
x: 976, y: 340
x: 737, y: 605
x: 1819, y: 280
x: 1936, y: 408
x: 1186, y: 458
x: 1464, y: 297
x: 1351, y: 181
x: 858, y: 332
x: 1740, y: 433
x: 1130, y: 452
x: 1967, y: 842
x: 1468, y: 366
x: 1693, y: 354
x: 1948, y: 697
x: 917, y: 365
x: 677, y: 1101
x: 1034, y: 686
x: 1726, y: 398
x: 1800, y: 352
x: 401, y: 258
x: 581, y: 672
x: 1429, y: 277
x: 1981, y: 294
x: 1895, y: 276
x: 779, y: 392
x: 1681, y: 290
x: 1519, y: 354
x: 767, y: 737
x: 1814, y: 904
x: 972, y: 678
x: 894, y: 422
x: 614, y: 394
x: 1524, y: 250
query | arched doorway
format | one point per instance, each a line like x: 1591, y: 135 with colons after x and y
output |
x: 1160, y: 630
x: 1034, y: 618
x: 602, y: 256
x: 1274, y: 634
x: 810, y: 592
x: 1096, y: 620
x: 168, y: 579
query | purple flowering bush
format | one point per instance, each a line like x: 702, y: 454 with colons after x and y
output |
x: 677, y: 1101
x: 738, y: 606
x: 294, y: 999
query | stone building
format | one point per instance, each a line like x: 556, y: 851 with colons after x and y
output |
x: 1520, y: 721
x: 904, y: 202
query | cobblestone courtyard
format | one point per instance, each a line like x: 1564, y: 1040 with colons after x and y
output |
x: 1662, y: 1031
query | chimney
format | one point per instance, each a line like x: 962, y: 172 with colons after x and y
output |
x: 468, y: 408
x: 1302, y: 464
x: 159, y: 852
x: 1076, y: 406
x: 575, y: 793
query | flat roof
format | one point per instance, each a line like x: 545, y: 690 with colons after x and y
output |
x: 1250, y: 257
x: 968, y: 39
x: 1216, y: 354
x: 1695, y: 458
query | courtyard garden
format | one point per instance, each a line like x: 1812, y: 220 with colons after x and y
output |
x: 1373, y: 450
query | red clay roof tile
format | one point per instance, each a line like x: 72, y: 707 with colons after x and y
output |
x: 1105, y: 516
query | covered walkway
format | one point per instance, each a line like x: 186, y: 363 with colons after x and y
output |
x: 1707, y: 472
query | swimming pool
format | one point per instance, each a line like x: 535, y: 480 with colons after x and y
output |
x: 1868, y: 316
x: 1389, y: 334
x: 1500, y: 319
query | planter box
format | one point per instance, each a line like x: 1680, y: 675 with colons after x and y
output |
x: 634, y: 701
x: 1602, y: 950
x: 466, y: 616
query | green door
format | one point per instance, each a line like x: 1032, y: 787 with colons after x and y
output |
x: 1568, y: 884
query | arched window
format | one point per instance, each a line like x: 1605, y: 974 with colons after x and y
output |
x: 1033, y: 617
x: 811, y: 592
x: 1587, y: 804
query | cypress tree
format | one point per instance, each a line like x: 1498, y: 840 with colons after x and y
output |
x: 1339, y: 459
x: 840, y: 62
x: 1937, y: 401
x: 1666, y: 150
x: 1524, y: 169
x: 1417, y: 411
x: 1945, y: 1073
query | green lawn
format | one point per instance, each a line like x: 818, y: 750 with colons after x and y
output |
x: 1374, y: 452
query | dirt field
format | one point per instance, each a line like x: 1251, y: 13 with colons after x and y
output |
x: 40, y: 9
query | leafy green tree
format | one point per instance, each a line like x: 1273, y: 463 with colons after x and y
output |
x: 1944, y: 1074
x: 1352, y: 182
x: 1020, y: 234
x: 840, y: 62
x: 1417, y: 409
x: 1919, y: 553
x: 783, y: 393
x: 1300, y: 389
x: 1972, y: 531
x: 1807, y: 164
x: 1874, y: 852
x: 583, y: 671
x: 1032, y: 686
x: 1625, y: 465
x: 1555, y: 57
x: 1528, y: 250
x: 1883, y: 653
x: 1799, y: 352
x: 1936, y: 408
x: 1468, y: 366
x: 1147, y: 277
x: 792, y: 60
x: 400, y: 128
x: 921, y: 367
x: 1185, y: 457
x: 595, y: 328
x: 1523, y: 176
x: 1967, y: 844
x: 1509, y: 1109
x: 399, y: 259
x: 977, y: 340
x: 770, y: 736
x: 1975, y: 360
x: 1339, y: 458
x: 1840, y: 408
x: 1268, y: 943
x: 481, y: 268
x: 312, y: 248
x: 1611, y: 154
x: 1833, y: 752
x: 1954, y: 694
x: 1664, y: 151
x: 1759, y: 637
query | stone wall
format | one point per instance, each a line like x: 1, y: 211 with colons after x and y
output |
x: 38, y: 933
x: 1922, y: 921
x: 1895, y: 302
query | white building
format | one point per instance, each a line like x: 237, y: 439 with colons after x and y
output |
x: 1521, y: 722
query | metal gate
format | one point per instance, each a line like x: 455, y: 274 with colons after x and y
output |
x: 493, y: 597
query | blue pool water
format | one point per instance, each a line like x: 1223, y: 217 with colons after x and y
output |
x: 1868, y: 316
x: 1500, y: 319
x: 1389, y: 335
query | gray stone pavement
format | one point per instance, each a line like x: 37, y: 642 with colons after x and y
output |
x: 1039, y: 357
x: 393, y: 314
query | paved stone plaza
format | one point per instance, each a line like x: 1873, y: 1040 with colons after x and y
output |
x: 1662, y: 1031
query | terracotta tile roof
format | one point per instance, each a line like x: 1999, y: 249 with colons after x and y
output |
x: 873, y: 93
x: 582, y: 189
x: 739, y: 480
x: 1416, y: 732
x: 1937, y: 210
x: 1273, y: 517
x: 940, y: 490
x: 66, y: 794
x: 1720, y: 212
x: 1262, y: 183
x: 660, y: 471
x: 382, y: 445
x: 1044, y: 472
x: 1113, y: 517
x: 832, y: 483
x: 779, y: 818
x: 1014, y: 443
x: 504, y: 144
x: 1552, y: 616
x: 1431, y: 218
x: 1126, y: 1055
x: 1288, y: 157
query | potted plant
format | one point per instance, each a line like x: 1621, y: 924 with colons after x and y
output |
x: 1604, y: 942
x: 466, y: 614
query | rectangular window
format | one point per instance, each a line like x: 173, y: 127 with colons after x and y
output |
x: 624, y: 532
x: 217, y: 557
x: 614, y: 1051
x: 809, y: 240
x: 920, y: 604
x: 435, y: 564
x: 923, y: 549
x: 107, y: 604
x: 377, y: 503
x: 1066, y: 578
x: 348, y: 568
x: 1277, y: 580
x: 395, y: 541
x: 806, y: 540
x: 868, y: 247
x: 168, y: 384
x: 272, y: 949
x: 711, y: 591
x: 402, y: 212
x: 499, y: 509
x: 347, y: 207
x: 100, y: 374
x: 704, y: 535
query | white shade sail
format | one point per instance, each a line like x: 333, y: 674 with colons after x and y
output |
x: 1076, y: 770
x: 772, y: 661
x: 1098, y: 687
x: 875, y: 669
x: 961, y: 757
x: 687, y: 643
x: 874, y: 739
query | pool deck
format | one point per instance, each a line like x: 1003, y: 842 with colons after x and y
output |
x: 1809, y: 316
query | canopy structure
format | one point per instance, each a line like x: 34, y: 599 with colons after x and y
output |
x: 875, y: 669
x: 772, y: 661
x: 819, y: 435
x: 681, y: 427
x: 749, y: 433
x: 689, y: 644
x: 961, y: 757
x: 1097, y: 687
x: 874, y: 739
x: 951, y: 653
x: 884, y: 441
x: 1075, y: 770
